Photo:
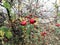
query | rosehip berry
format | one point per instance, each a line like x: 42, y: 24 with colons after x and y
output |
x: 23, y: 23
x: 43, y: 33
x: 32, y: 21
x: 57, y: 25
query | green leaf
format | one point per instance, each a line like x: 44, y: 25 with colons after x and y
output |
x: 8, y: 34
x: 1, y: 33
x: 58, y: 13
x: 28, y: 32
x: 4, y: 28
x: 8, y: 6
x: 21, y: 27
x: 57, y: 31
x: 29, y: 27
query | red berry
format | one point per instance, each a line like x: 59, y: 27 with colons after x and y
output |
x: 23, y: 23
x: 32, y: 21
x: 57, y: 25
x: 43, y: 33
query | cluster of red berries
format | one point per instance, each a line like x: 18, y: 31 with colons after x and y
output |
x: 32, y: 21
